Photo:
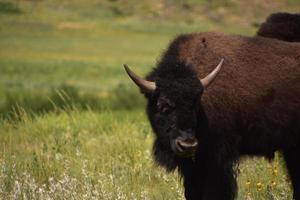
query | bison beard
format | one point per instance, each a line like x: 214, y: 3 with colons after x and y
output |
x: 251, y: 108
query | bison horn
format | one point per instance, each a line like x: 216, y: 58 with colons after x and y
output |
x: 144, y: 85
x: 210, y: 77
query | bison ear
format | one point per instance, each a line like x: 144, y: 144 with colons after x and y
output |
x: 211, y: 77
x: 144, y: 85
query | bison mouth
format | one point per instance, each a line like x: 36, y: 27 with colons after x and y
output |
x: 184, y: 147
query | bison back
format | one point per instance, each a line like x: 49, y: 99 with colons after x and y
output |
x: 282, y: 26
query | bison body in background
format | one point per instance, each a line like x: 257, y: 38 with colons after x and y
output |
x: 206, y: 118
x: 282, y: 26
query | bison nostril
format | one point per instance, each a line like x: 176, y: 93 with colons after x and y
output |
x: 186, y: 145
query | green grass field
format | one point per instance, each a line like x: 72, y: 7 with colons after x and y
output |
x: 72, y: 125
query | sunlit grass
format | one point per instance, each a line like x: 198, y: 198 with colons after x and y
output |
x: 105, y: 156
x: 83, y: 153
x: 261, y: 179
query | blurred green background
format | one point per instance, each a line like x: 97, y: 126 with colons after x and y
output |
x: 75, y: 49
x: 71, y: 117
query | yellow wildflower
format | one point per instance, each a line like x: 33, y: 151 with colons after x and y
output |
x: 275, y: 172
x: 248, y: 182
x: 259, y: 186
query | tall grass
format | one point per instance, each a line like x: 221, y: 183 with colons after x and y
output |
x: 67, y: 97
x: 107, y: 155
x: 83, y: 154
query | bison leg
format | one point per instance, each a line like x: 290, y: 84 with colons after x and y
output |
x: 220, y: 184
x: 206, y: 181
x: 293, y: 165
x: 193, y: 178
x: 191, y: 191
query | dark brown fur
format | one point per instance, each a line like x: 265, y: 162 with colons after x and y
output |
x: 282, y: 26
x: 252, y: 108
x: 260, y: 77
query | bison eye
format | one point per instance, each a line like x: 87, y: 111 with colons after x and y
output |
x: 165, y: 108
x: 164, y: 105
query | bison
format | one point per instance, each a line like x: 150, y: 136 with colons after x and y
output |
x: 213, y: 98
x: 283, y: 26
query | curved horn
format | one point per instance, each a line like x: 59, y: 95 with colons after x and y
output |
x: 210, y: 77
x: 144, y: 85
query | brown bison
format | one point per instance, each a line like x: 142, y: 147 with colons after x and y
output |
x: 283, y: 26
x: 213, y: 98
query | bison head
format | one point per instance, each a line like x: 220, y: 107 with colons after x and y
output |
x: 174, y: 109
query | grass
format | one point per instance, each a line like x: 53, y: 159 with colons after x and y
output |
x: 72, y: 125
x: 107, y: 155
x: 83, y: 153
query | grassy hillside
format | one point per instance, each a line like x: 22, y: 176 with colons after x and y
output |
x: 79, y: 47
x: 72, y: 124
